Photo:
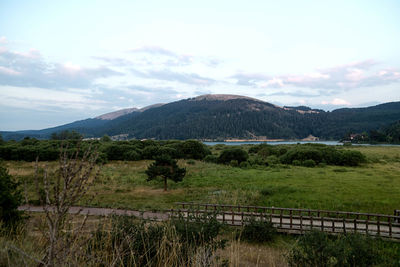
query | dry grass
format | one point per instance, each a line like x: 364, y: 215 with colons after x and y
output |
x: 239, y: 253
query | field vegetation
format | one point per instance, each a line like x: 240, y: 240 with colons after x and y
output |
x: 349, y: 178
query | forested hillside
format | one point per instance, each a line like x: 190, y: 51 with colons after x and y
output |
x: 230, y: 117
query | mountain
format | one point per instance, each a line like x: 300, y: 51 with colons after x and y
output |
x: 227, y: 116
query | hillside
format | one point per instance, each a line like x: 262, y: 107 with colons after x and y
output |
x: 227, y: 116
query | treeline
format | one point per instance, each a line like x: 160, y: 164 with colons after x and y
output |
x: 48, y: 150
x: 388, y: 134
x: 308, y: 155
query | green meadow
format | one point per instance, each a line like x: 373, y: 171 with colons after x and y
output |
x: 372, y: 187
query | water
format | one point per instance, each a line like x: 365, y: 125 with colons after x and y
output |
x: 329, y: 143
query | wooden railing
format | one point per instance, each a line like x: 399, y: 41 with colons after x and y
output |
x: 299, y: 220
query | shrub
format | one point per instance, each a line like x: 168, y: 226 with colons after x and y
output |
x: 258, y: 231
x: 234, y: 163
x: 10, y: 199
x: 211, y: 159
x: 273, y: 160
x: 309, y: 163
x: 244, y: 164
x: 318, y: 249
x: 192, y: 149
x: 233, y: 154
x: 266, y: 150
x: 132, y: 155
x: 296, y: 162
x: 266, y: 191
x: 257, y: 161
x: 352, y: 158
x: 150, y: 152
x: 198, y: 230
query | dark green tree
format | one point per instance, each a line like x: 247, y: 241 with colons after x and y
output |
x: 105, y: 138
x: 233, y: 154
x: 10, y: 198
x: 167, y: 168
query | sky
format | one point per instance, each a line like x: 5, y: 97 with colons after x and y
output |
x: 62, y: 61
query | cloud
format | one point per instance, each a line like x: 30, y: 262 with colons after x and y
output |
x: 339, y: 78
x: 115, y: 61
x: 31, y: 70
x: 250, y: 79
x: 172, y: 58
x: 47, y: 99
x: 3, y: 40
x: 336, y: 102
x: 168, y: 75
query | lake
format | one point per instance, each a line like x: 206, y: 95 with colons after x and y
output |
x: 330, y: 143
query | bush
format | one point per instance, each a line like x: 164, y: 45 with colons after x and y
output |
x: 244, y: 164
x: 10, y: 199
x: 192, y: 149
x: 318, y: 249
x: 234, y: 163
x: 138, y: 242
x: 150, y: 152
x: 132, y: 155
x: 233, y: 154
x: 197, y: 231
x: 258, y: 231
x: 352, y: 158
x: 272, y: 160
x: 309, y: 163
x: 322, y: 153
x: 296, y: 162
x: 211, y: 159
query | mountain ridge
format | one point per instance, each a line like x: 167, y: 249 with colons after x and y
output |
x: 227, y: 116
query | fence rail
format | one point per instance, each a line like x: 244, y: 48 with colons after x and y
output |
x: 299, y: 220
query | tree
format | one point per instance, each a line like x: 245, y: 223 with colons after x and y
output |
x: 105, y: 138
x: 233, y: 154
x: 63, y: 189
x: 167, y: 168
x: 66, y: 135
x: 10, y: 198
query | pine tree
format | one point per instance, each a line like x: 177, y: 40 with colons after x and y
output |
x: 167, y: 168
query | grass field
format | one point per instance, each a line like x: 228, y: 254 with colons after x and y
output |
x: 373, y: 187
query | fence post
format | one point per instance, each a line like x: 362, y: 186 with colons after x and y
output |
x: 301, y: 223
x: 233, y: 216
x: 378, y: 225
x: 344, y: 225
x: 390, y: 227
x: 280, y: 219
x: 355, y: 225
x: 322, y: 224
x: 291, y: 219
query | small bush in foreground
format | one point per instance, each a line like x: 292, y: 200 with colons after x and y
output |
x: 10, y: 199
x: 319, y: 249
x: 258, y: 231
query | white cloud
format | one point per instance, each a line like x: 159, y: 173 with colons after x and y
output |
x: 336, y: 79
x: 39, y: 99
x: 336, y: 102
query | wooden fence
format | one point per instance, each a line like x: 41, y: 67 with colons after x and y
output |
x: 298, y: 220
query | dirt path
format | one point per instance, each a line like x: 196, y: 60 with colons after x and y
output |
x: 150, y: 215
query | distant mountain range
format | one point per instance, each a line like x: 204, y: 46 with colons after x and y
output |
x: 224, y: 117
